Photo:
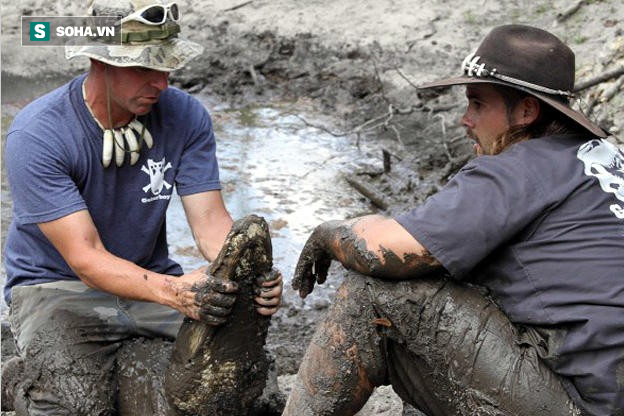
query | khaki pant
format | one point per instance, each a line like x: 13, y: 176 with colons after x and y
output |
x: 68, y: 335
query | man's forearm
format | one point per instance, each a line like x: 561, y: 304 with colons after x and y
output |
x: 102, y: 270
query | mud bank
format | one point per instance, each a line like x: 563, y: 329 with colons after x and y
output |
x: 357, y: 64
x: 351, y: 59
x: 360, y: 62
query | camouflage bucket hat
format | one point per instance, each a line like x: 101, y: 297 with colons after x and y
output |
x: 149, y: 36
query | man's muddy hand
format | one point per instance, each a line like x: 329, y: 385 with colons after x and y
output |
x: 313, y: 263
x: 214, y: 297
x: 269, y: 292
x: 204, y: 297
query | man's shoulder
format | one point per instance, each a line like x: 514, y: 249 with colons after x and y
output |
x: 532, y: 157
x: 177, y: 95
x: 180, y: 105
x: 554, y: 143
x: 41, y: 111
x: 548, y: 151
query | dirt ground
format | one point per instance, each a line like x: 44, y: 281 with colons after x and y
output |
x: 358, y: 61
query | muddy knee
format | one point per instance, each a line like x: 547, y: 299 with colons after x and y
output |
x: 345, y: 359
x: 61, y: 375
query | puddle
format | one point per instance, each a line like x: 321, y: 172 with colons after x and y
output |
x: 272, y: 165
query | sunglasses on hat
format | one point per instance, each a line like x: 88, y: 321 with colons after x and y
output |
x: 154, y: 15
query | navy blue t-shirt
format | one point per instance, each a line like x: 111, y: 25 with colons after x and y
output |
x: 542, y: 226
x: 54, y: 164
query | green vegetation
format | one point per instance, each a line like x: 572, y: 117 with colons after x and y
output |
x: 579, y: 39
x: 247, y: 116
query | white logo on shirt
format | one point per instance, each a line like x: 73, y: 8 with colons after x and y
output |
x: 605, y: 161
x: 156, y: 172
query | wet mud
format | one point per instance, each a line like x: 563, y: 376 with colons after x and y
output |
x: 361, y: 87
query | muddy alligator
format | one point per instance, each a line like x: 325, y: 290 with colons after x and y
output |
x: 223, y: 370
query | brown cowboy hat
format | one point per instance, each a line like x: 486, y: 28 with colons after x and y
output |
x: 529, y: 59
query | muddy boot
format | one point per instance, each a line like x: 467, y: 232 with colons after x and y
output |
x: 12, y: 371
x: 223, y: 370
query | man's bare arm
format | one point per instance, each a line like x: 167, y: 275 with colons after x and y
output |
x: 372, y: 245
x: 77, y: 240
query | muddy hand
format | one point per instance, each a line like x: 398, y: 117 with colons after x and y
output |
x: 269, y: 292
x: 312, y: 266
x: 214, y: 297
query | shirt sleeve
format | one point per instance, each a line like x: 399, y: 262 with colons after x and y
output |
x: 40, y: 179
x: 199, y: 169
x: 486, y: 204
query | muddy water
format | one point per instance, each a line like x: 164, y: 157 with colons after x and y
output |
x: 274, y: 166
x: 271, y: 165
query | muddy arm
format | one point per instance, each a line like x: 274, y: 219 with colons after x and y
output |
x: 372, y: 245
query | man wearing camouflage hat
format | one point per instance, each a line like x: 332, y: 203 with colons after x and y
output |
x: 91, y: 168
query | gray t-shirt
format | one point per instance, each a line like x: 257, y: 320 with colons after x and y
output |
x: 542, y: 226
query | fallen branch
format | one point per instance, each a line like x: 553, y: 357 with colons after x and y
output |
x: 440, y: 108
x: 254, y: 75
x: 239, y: 6
x: 409, y: 81
x: 374, y: 196
x: 607, y: 76
x: 604, y: 96
x: 369, y: 125
x: 566, y: 14
x: 454, y: 164
x: 387, y: 162
x: 322, y: 128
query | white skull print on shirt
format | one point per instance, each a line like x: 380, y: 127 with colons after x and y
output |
x: 156, y: 172
x: 605, y: 161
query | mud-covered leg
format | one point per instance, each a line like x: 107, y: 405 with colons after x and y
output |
x: 68, y: 336
x: 444, y: 347
x: 66, y: 372
x: 344, y: 361
x: 12, y: 374
x: 451, y: 351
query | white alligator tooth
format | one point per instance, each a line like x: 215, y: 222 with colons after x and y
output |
x: 141, y: 129
x: 120, y: 146
x: 136, y: 125
x: 133, y: 146
x: 147, y: 137
x: 107, y: 148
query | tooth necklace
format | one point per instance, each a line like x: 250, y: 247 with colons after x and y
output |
x: 115, y: 139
